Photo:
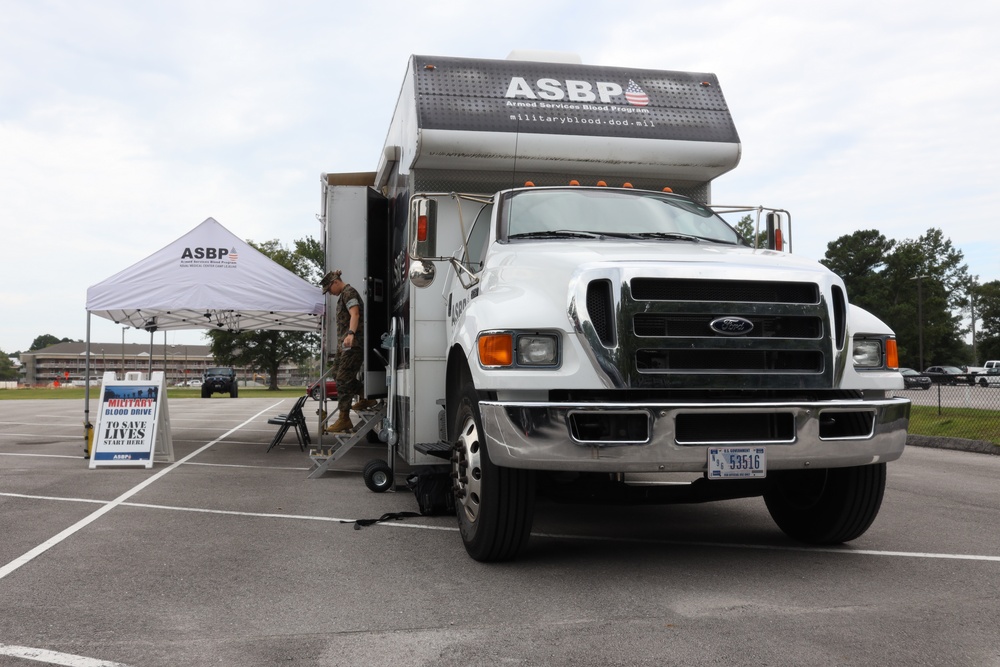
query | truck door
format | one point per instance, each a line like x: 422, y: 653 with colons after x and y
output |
x: 377, y: 280
x: 357, y: 243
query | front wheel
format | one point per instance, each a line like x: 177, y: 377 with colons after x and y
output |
x: 495, y: 505
x: 826, y: 506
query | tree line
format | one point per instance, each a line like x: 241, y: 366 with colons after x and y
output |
x: 923, y: 290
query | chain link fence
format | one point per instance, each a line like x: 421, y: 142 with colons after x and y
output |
x: 965, y: 411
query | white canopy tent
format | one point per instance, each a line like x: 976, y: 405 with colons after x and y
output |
x: 206, y: 279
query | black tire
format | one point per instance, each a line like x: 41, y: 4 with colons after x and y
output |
x: 495, y: 505
x: 235, y: 392
x: 983, y: 382
x: 926, y: 387
x: 378, y: 476
x: 826, y: 506
x: 205, y: 393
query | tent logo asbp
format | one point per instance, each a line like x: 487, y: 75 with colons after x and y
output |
x: 208, y: 256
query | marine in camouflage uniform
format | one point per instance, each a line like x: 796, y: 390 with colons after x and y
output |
x: 350, y: 312
x: 349, y: 360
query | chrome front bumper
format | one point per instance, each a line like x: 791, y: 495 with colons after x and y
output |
x: 542, y: 436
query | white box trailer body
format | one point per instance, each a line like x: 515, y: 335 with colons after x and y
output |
x: 739, y: 349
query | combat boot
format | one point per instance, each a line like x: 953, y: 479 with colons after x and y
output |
x: 342, y: 425
x: 364, y: 404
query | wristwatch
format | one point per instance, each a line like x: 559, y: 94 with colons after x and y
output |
x: 350, y: 332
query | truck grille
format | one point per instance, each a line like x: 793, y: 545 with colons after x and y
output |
x: 666, y: 333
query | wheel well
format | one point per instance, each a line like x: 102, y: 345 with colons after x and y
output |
x: 457, y: 375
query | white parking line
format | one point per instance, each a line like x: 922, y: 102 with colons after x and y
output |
x: 843, y: 551
x: 82, y: 523
x: 55, y: 658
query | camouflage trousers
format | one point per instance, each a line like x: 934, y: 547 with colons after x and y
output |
x: 348, y: 364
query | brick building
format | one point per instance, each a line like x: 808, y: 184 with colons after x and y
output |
x: 66, y: 362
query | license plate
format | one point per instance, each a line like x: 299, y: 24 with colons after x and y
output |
x: 737, y: 462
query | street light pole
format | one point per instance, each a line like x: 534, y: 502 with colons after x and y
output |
x: 920, y: 319
x: 124, y: 329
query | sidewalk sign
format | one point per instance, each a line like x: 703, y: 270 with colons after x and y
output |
x: 133, y: 423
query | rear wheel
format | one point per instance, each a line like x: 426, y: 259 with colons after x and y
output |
x: 495, y: 505
x: 826, y: 506
x: 235, y: 392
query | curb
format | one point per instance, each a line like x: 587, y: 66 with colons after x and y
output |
x: 957, y: 444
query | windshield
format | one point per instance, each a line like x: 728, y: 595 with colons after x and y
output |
x: 603, y: 213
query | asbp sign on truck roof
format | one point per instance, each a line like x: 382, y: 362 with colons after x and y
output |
x: 503, y: 122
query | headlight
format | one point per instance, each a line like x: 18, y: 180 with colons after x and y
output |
x: 511, y: 349
x: 867, y: 353
x: 537, y: 350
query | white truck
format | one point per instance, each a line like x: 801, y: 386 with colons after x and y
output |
x: 554, y: 322
x: 990, y: 374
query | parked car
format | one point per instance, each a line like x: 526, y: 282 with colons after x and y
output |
x: 946, y: 374
x: 314, y: 390
x: 914, y: 380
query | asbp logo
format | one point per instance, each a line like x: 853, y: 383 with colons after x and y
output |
x: 554, y: 90
x: 209, y: 253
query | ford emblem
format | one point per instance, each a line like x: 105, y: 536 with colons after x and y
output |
x: 731, y: 326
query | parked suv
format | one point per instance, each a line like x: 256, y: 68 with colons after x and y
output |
x: 219, y: 380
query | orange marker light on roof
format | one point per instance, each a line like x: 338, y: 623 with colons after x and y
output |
x: 626, y: 184
x: 668, y: 189
x: 574, y: 182
x: 529, y: 184
x: 602, y: 184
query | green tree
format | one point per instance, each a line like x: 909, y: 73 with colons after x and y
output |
x: 7, y: 370
x: 267, y: 350
x: 988, y: 311
x: 859, y: 259
x: 745, y: 228
x: 916, y: 286
x: 928, y: 272
x: 47, y: 340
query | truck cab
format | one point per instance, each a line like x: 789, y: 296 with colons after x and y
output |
x: 564, y: 312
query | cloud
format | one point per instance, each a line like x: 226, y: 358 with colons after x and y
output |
x: 126, y: 124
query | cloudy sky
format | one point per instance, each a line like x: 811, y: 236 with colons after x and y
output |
x: 124, y: 124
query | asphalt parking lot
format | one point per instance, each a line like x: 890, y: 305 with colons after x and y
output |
x: 233, y: 556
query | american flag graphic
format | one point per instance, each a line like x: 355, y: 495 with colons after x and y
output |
x: 635, y: 95
x: 233, y: 256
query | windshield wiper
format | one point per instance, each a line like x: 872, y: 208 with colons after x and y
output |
x: 672, y: 236
x: 556, y: 234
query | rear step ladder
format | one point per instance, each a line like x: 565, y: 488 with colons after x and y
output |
x: 324, y: 456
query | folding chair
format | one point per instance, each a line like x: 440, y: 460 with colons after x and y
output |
x: 294, y: 419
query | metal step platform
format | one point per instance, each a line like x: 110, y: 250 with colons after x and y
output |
x: 326, y: 455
